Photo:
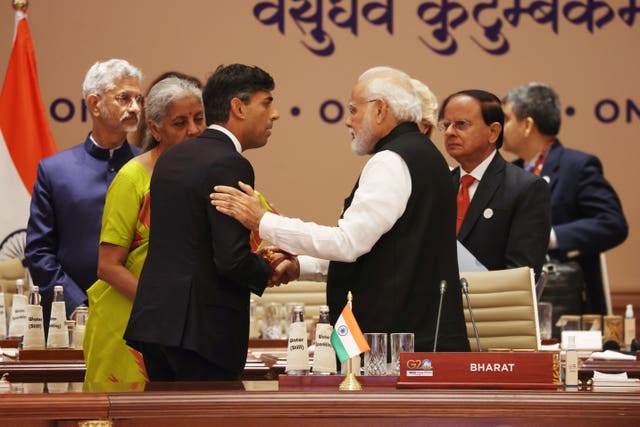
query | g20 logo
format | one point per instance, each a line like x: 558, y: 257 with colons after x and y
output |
x: 414, y: 364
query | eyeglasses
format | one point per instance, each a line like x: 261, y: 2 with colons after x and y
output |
x: 459, y: 125
x: 124, y: 99
x: 352, y: 106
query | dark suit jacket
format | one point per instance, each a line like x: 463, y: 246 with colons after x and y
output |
x: 508, y: 221
x: 194, y: 287
x: 586, y: 215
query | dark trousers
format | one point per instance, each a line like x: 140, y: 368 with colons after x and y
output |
x: 179, y: 364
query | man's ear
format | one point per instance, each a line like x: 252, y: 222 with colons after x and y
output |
x: 494, y: 132
x: 93, y: 104
x: 381, y: 110
x: 238, y: 108
x: 528, y: 126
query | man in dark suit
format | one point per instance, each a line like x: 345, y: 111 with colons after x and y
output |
x: 586, y: 213
x: 190, y: 317
x: 507, y: 220
x: 395, y: 241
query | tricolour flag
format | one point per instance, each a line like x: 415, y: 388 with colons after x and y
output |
x: 347, y: 339
x: 25, y: 136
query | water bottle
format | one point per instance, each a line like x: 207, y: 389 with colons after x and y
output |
x: 571, y: 365
x: 81, y: 315
x: 34, y: 332
x: 629, y: 327
x: 34, y: 296
x: 58, y: 336
x: 324, y: 357
x: 18, y: 320
x: 297, y: 350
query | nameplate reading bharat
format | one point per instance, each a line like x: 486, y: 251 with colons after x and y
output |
x: 509, y: 370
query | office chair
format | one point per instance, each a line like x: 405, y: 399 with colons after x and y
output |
x: 504, y: 307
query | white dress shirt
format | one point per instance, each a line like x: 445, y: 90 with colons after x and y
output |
x: 381, y: 198
x: 477, y: 173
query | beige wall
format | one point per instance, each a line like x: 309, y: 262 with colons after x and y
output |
x: 307, y: 168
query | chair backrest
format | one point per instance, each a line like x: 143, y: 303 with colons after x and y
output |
x: 312, y: 294
x: 10, y: 270
x: 504, y: 307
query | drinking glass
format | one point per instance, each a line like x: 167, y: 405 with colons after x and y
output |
x: 401, y: 342
x: 375, y: 360
x: 273, y: 318
x: 544, y: 319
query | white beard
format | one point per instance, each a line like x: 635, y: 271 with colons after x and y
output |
x: 360, y: 144
x: 130, y: 129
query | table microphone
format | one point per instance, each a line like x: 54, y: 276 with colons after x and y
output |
x: 465, y: 291
x: 443, y: 288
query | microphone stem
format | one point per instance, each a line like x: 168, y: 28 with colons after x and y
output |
x: 435, y: 341
x: 473, y: 321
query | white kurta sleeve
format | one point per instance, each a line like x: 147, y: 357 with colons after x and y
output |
x: 381, y: 198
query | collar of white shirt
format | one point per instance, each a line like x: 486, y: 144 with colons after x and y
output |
x: 528, y: 166
x: 479, y: 171
x: 227, y: 132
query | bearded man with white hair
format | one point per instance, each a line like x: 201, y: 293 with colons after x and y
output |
x: 395, y: 241
x: 69, y: 192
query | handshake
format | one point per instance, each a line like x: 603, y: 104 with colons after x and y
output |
x: 284, y: 266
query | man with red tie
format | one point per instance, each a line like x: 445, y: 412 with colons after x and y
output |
x: 503, y: 215
x: 586, y: 212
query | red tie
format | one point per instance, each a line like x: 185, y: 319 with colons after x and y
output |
x: 463, y: 200
x: 537, y: 168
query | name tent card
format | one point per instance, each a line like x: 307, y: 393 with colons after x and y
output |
x: 509, y: 370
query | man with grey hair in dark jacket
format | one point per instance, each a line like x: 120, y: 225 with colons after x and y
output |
x: 586, y: 213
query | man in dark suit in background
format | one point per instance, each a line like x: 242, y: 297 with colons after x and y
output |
x: 395, y: 240
x: 586, y: 213
x: 190, y: 317
x: 503, y: 215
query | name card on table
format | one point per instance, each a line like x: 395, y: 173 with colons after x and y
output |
x: 508, y: 370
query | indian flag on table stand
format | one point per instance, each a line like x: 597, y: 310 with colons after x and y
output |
x: 347, y: 339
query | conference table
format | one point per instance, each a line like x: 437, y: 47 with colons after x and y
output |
x: 260, y: 403
x: 51, y: 394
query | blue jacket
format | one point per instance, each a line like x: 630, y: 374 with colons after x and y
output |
x: 586, y: 215
x: 66, y: 217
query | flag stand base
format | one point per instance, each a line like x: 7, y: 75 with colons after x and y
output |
x: 350, y: 382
